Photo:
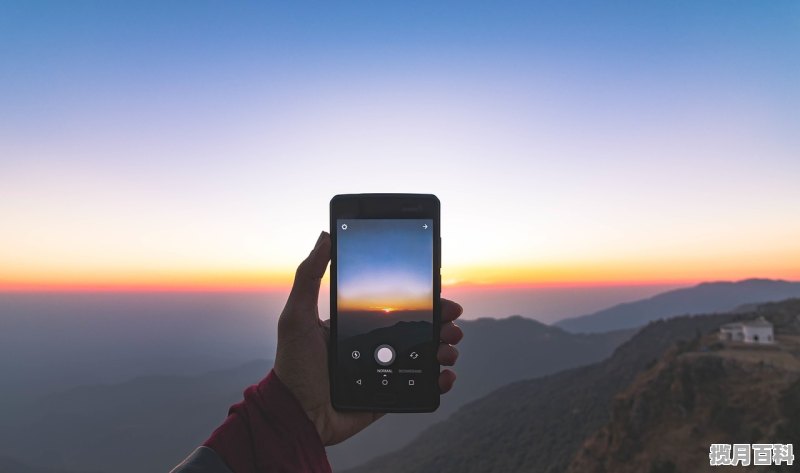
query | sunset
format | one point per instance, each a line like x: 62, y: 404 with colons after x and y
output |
x: 385, y: 265
x: 565, y: 159
x: 617, y: 225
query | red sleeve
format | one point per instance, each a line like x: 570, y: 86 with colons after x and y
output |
x: 269, y: 432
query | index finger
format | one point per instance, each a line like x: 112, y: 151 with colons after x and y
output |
x: 450, y: 310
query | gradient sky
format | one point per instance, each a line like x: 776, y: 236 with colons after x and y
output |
x: 385, y: 265
x: 197, y: 144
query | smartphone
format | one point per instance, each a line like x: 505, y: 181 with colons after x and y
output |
x: 385, y: 302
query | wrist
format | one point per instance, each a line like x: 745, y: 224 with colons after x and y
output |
x: 317, y: 414
x: 305, y: 420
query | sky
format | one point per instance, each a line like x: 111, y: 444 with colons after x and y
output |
x: 196, y: 145
x: 384, y: 265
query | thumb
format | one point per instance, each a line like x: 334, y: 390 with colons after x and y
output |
x: 305, y: 291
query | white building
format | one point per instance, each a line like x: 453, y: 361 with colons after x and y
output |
x: 731, y: 332
x: 752, y: 331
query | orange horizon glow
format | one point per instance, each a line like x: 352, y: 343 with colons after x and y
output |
x: 628, y: 271
x: 163, y: 174
x: 398, y: 304
x: 463, y: 279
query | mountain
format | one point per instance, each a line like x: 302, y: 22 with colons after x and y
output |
x: 494, y: 352
x: 94, y: 426
x: 50, y: 342
x: 149, y: 423
x: 703, y: 393
x: 357, y: 322
x: 404, y: 337
x: 704, y: 298
x: 9, y: 465
x: 537, y: 425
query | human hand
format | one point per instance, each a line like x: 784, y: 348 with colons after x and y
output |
x: 301, y: 361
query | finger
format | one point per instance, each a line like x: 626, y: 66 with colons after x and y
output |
x: 450, y: 310
x: 447, y: 354
x: 451, y: 333
x: 446, y: 380
x: 302, y: 302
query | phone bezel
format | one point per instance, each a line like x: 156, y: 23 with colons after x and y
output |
x: 389, y: 206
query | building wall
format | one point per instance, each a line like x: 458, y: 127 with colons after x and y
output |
x: 758, y: 334
x: 736, y: 335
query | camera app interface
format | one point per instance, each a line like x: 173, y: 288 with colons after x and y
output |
x: 385, y: 309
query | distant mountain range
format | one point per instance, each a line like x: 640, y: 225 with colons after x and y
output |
x: 540, y: 425
x: 149, y: 423
x: 513, y: 408
x: 9, y: 465
x: 537, y: 425
x: 403, y: 336
x: 494, y: 352
x: 704, y: 298
x: 164, y: 418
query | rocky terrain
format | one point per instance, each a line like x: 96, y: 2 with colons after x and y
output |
x: 700, y: 393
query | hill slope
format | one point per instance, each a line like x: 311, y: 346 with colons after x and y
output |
x: 537, y: 425
x: 707, y: 392
x: 494, y: 352
x: 95, y: 427
x: 92, y: 427
x: 703, y: 298
x: 9, y: 465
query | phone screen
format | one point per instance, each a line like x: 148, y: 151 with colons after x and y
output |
x: 385, y: 306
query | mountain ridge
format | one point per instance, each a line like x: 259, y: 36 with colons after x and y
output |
x: 703, y: 298
x: 91, y: 426
x: 10, y: 465
x: 537, y: 424
x: 707, y: 391
x: 493, y: 353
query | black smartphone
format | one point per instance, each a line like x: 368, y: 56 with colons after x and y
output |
x: 385, y: 302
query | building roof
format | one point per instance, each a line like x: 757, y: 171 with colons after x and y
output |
x: 759, y: 322
x: 731, y: 326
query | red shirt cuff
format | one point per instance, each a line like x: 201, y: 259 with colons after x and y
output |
x: 269, y: 432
